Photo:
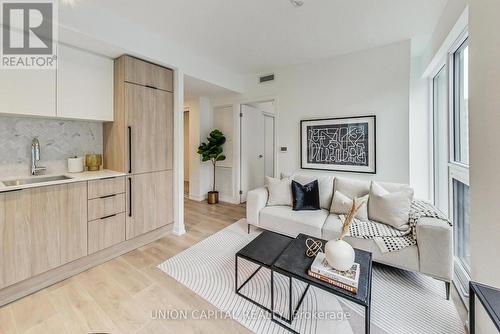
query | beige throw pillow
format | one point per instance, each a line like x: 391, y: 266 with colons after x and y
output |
x: 342, y: 204
x: 351, y: 187
x: 391, y: 208
x: 280, y: 191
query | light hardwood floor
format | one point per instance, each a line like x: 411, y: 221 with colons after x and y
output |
x: 120, y: 295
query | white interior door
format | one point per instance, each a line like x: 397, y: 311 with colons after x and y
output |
x: 269, y: 145
x: 253, y: 169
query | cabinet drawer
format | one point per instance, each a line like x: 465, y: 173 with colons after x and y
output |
x: 104, y: 233
x: 146, y: 74
x: 102, y: 207
x: 106, y: 187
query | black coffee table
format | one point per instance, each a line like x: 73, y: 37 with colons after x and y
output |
x: 287, y: 256
x: 294, y: 264
x: 263, y: 250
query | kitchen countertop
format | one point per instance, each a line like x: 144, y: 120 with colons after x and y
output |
x: 73, y: 177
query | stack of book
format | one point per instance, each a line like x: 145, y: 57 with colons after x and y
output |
x: 347, y: 280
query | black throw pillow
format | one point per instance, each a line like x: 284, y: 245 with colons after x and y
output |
x: 305, y: 197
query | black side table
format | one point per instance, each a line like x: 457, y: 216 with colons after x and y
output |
x: 490, y: 298
x: 263, y: 251
x: 294, y: 264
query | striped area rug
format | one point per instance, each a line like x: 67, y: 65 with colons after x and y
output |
x: 402, y: 302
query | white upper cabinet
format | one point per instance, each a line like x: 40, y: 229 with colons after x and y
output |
x: 28, y: 92
x: 80, y: 88
x: 84, y: 85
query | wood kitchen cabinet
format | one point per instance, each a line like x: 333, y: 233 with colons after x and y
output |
x: 140, y: 142
x: 41, y: 229
x: 106, y: 213
x: 149, y: 128
x: 73, y: 222
x: 149, y: 202
x: 146, y: 74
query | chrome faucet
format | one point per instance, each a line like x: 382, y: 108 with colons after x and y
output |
x: 35, y: 156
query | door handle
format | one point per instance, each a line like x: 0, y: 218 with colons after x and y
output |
x: 260, y: 156
x: 130, y: 197
x: 129, y: 149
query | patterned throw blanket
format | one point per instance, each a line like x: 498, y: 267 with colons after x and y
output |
x: 389, y: 239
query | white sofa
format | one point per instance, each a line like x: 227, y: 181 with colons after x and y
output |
x: 432, y: 256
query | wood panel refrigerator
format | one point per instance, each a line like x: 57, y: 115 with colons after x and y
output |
x: 140, y: 142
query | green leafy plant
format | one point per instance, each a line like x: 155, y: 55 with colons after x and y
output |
x: 212, y: 150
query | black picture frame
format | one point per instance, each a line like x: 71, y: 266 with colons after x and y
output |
x: 371, y: 165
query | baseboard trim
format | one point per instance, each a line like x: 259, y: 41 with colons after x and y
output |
x: 198, y: 198
x: 228, y: 200
x: 32, y: 285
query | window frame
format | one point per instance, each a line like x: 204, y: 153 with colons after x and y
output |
x: 459, y: 46
x: 456, y: 170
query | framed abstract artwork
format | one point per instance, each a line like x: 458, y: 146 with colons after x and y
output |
x: 346, y: 144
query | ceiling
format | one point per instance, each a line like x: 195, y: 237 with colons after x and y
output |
x: 249, y: 36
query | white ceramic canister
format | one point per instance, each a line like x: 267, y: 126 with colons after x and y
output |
x: 75, y: 165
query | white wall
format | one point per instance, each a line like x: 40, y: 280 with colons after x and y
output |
x: 450, y: 15
x: 200, y: 174
x: 484, y: 146
x: 421, y: 132
x: 370, y: 82
x: 223, y: 120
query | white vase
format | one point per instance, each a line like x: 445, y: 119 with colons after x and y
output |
x: 339, y: 254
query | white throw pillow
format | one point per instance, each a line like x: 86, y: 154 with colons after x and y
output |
x: 391, y: 208
x: 280, y: 191
x: 342, y: 204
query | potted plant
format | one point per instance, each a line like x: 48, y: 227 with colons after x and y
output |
x: 212, y: 151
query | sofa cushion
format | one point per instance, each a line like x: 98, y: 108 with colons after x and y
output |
x: 305, y: 197
x: 342, y: 204
x: 325, y: 183
x: 282, y: 219
x: 390, y: 204
x: 406, y: 258
x: 280, y: 191
x: 352, y: 188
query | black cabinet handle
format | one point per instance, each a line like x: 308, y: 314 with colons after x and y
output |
x: 130, y: 197
x: 11, y: 191
x: 107, y: 196
x: 129, y: 149
x: 152, y: 87
x: 107, y: 217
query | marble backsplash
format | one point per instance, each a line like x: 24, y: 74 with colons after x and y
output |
x: 59, y: 139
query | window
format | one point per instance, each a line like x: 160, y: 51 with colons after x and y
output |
x: 459, y: 166
x: 450, y: 94
x: 461, y: 215
x: 461, y: 104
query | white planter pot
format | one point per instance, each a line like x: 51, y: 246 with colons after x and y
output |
x: 339, y: 254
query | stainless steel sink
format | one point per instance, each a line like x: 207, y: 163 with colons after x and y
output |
x: 21, y: 182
